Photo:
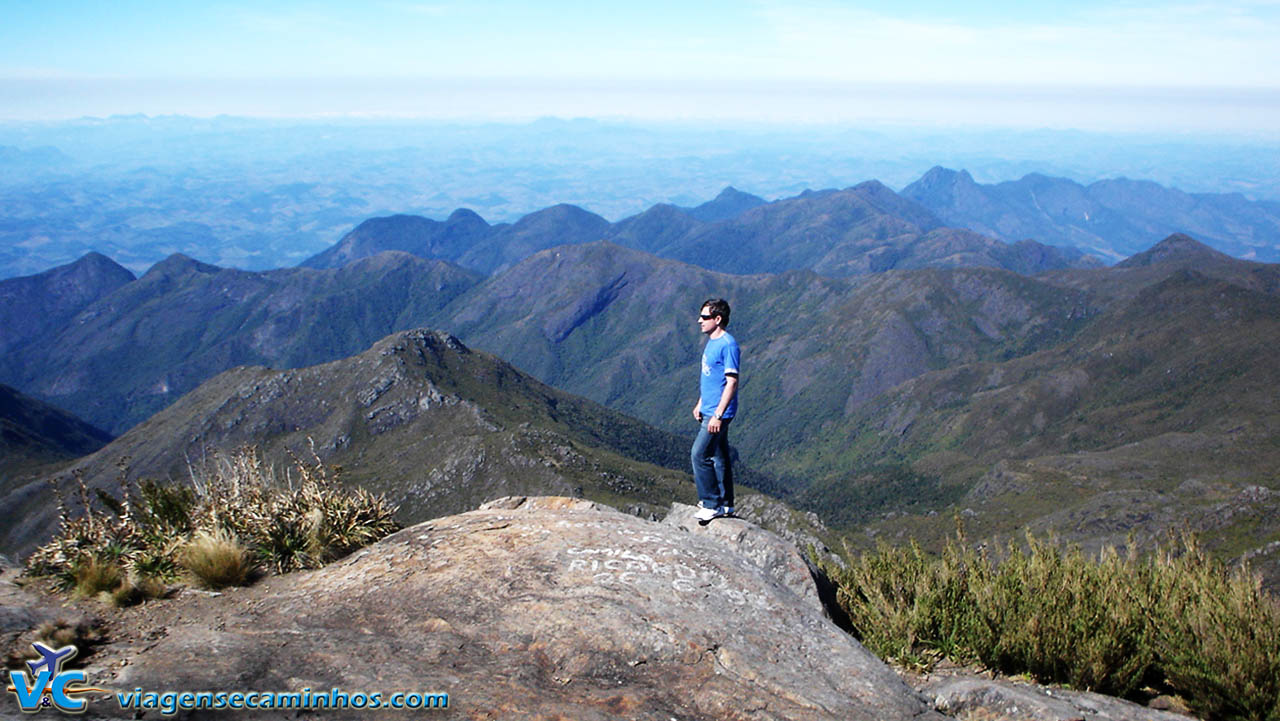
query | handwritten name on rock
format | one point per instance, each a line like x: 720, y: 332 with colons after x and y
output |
x: 673, y: 565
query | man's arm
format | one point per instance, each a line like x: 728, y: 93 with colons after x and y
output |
x: 726, y: 397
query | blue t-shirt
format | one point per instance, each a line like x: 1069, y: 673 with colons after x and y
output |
x: 720, y: 356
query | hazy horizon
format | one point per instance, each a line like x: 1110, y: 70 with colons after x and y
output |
x: 1098, y: 66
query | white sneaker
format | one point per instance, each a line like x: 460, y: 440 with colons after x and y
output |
x: 706, y: 514
x: 726, y: 511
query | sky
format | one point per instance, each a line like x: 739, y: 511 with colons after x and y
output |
x: 1088, y: 64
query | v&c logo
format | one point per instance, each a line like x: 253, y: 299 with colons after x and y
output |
x: 48, y: 685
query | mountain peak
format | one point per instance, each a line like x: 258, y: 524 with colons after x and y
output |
x: 59, y: 293
x: 179, y: 264
x: 95, y: 259
x: 900, y: 206
x: 419, y: 339
x: 1177, y: 248
x: 465, y: 216
x: 730, y: 203
x: 731, y: 193
x: 940, y: 176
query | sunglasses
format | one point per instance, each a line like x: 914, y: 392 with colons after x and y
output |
x: 705, y: 317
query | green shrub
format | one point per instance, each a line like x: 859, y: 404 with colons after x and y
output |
x: 1062, y: 618
x: 1218, y: 637
x: 907, y: 607
x: 1115, y: 624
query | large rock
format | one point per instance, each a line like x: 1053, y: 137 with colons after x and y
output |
x: 532, y: 608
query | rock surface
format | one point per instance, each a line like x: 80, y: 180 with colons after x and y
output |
x: 19, y: 611
x: 1000, y: 699
x: 776, y: 557
x: 531, y: 608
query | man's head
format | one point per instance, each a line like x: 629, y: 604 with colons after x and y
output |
x: 714, y: 314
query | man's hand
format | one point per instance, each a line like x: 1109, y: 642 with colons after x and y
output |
x: 697, y: 412
x: 713, y: 425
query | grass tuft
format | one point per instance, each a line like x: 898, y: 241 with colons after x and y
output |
x: 94, y: 575
x: 217, y: 560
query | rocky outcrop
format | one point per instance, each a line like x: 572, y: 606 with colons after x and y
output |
x: 532, y: 608
x: 543, y: 608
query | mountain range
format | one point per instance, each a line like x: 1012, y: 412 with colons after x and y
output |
x: 885, y: 402
x: 119, y: 357
x: 265, y: 194
x: 864, y: 229
x: 1111, y: 218
x: 897, y: 370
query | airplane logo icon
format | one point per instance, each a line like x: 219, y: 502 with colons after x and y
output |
x: 50, y: 659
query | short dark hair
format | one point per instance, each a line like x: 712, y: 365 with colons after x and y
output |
x: 720, y: 307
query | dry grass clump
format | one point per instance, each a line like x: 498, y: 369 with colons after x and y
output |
x: 85, y: 635
x: 217, y: 559
x: 94, y: 575
x: 1175, y: 620
x: 235, y: 518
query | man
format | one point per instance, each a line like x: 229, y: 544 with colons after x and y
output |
x: 716, y: 407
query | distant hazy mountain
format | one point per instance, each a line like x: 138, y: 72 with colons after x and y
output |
x: 1112, y: 218
x: 419, y: 236
x: 437, y: 427
x: 259, y: 194
x: 34, y: 434
x: 558, y: 225
x: 730, y: 203
x: 135, y: 350
x: 465, y: 238
x: 860, y: 230
x: 31, y: 306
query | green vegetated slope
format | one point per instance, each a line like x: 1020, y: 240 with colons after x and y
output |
x: 420, y: 417
x: 1160, y: 413
x: 617, y: 326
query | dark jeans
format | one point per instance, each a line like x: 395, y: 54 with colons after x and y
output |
x: 712, y: 468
